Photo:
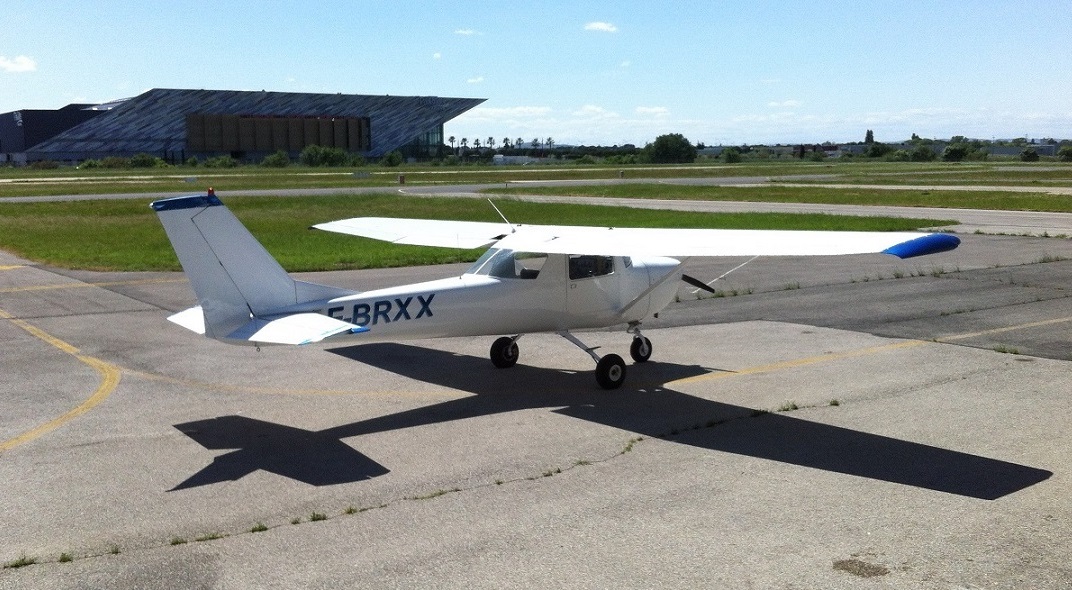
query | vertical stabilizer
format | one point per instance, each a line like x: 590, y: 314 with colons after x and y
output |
x: 234, y: 277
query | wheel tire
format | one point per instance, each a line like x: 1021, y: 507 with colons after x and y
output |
x: 640, y: 349
x: 610, y: 372
x: 504, y: 353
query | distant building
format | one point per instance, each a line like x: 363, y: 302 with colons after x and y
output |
x: 20, y: 130
x: 178, y: 124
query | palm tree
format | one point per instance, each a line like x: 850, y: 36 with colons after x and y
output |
x: 506, y: 143
x: 491, y: 143
x: 451, y: 140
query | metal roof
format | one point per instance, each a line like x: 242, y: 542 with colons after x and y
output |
x: 155, y: 121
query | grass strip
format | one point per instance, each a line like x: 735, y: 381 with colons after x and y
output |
x: 774, y: 193
x: 124, y: 235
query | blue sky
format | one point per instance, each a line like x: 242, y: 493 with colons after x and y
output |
x: 581, y: 72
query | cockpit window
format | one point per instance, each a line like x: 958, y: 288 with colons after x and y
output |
x: 508, y: 264
x: 582, y: 267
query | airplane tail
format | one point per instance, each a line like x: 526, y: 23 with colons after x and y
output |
x: 244, y: 294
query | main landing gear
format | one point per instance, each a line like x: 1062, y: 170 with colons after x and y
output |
x: 610, y: 368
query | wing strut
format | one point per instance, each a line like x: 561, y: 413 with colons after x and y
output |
x: 707, y: 286
x: 512, y: 228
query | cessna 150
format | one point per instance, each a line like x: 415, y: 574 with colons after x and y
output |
x: 533, y: 278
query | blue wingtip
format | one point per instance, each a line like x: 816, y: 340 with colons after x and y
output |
x: 929, y: 244
x: 188, y: 202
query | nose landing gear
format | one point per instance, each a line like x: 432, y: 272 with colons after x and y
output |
x: 610, y: 368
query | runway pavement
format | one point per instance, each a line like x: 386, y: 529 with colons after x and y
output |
x: 835, y: 423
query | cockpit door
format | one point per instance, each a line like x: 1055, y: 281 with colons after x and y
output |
x: 592, y: 288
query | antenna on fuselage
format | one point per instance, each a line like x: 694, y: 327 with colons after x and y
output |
x: 512, y: 228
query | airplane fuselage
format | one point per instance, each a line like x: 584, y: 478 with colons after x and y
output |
x: 497, y: 296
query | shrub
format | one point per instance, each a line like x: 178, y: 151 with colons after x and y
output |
x: 192, y: 161
x: 1029, y: 155
x: 315, y: 155
x: 922, y: 153
x: 279, y: 159
x: 144, y: 160
x: 392, y: 159
x: 221, y: 162
x: 731, y: 155
x: 89, y: 164
x: 1065, y: 154
x: 115, y: 162
x: 44, y: 165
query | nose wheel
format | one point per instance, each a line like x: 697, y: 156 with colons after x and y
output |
x: 640, y: 349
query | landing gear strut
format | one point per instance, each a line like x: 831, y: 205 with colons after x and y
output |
x: 610, y: 369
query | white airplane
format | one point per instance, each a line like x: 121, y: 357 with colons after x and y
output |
x: 533, y: 278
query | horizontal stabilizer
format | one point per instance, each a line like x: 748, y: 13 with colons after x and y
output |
x: 299, y: 328
x: 929, y: 244
x: 192, y: 319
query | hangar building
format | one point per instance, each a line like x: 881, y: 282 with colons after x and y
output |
x: 177, y: 124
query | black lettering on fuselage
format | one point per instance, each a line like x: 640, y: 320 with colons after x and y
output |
x: 380, y: 312
x: 403, y: 309
x: 426, y: 305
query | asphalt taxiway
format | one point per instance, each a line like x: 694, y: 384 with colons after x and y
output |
x: 823, y: 423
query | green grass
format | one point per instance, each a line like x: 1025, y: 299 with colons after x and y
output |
x: 21, y: 182
x: 776, y: 193
x: 125, y: 235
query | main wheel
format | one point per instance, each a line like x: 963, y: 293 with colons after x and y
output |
x: 610, y: 372
x: 504, y: 352
x: 640, y: 349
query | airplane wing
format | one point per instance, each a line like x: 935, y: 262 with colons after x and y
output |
x: 618, y: 241
x: 421, y: 232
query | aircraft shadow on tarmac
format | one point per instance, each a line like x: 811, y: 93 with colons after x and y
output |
x: 643, y: 406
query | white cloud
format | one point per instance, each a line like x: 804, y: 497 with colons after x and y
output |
x: 601, y: 26
x: 476, y: 80
x: 466, y: 32
x: 655, y: 111
x: 19, y: 63
x: 625, y: 64
x: 437, y: 55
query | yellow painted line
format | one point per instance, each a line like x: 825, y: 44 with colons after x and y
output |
x: 1005, y: 329
x: 791, y: 364
x: 247, y: 389
x: 822, y: 358
x: 12, y: 266
x: 80, y: 285
x: 109, y: 373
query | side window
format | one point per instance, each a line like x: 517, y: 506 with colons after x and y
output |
x: 507, y: 264
x: 528, y: 264
x: 583, y: 267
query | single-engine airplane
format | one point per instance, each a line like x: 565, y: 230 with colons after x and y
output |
x: 532, y: 278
